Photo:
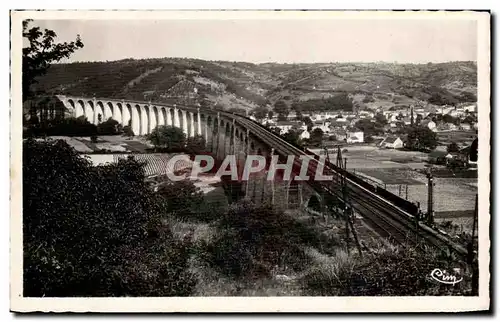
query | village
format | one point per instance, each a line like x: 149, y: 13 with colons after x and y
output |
x: 455, y: 128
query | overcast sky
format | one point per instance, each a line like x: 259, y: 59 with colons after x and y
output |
x: 414, y: 41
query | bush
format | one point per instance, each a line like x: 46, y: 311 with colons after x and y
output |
x: 167, y: 137
x: 393, y: 272
x: 196, y: 144
x: 339, y: 102
x: 63, y: 127
x: 95, y: 231
x: 109, y: 127
x: 254, y: 240
x: 127, y: 131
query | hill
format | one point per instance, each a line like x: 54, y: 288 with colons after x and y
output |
x: 245, y: 86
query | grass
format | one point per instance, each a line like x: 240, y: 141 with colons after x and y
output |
x: 391, y: 176
x: 389, y: 271
x: 258, y: 251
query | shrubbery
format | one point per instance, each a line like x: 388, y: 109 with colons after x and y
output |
x: 95, y: 231
x: 339, y: 102
x: 404, y: 272
x: 254, y: 240
x: 62, y: 127
x: 72, y: 126
x: 168, y: 138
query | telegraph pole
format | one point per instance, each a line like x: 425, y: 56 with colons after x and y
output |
x: 348, y: 211
x: 471, y: 260
x: 272, y: 181
x: 430, y: 200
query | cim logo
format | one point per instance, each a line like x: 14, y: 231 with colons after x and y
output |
x: 446, y: 278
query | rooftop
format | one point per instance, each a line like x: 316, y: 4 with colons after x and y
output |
x: 391, y: 139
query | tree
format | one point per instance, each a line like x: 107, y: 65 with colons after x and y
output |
x: 369, y: 128
x: 196, y: 144
x: 95, y: 231
x: 442, y: 97
x: 452, y: 147
x: 299, y: 116
x: 418, y: 119
x: 260, y: 113
x: 41, y: 52
x: 468, y: 97
x: 339, y: 102
x: 109, y: 127
x: 473, y: 151
x: 181, y: 197
x: 447, y: 118
x: 380, y: 119
x: 282, y: 117
x: 470, y: 119
x: 270, y: 114
x: 168, y: 137
x: 127, y: 130
x: 292, y: 137
x: 421, y: 138
x: 280, y: 107
x: 316, y: 137
x: 275, y: 130
x: 308, y: 122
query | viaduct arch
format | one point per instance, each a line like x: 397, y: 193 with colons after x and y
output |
x: 222, y: 134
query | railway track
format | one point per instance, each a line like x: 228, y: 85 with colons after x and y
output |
x: 387, y: 219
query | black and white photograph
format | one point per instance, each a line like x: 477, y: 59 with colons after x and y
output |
x: 250, y: 161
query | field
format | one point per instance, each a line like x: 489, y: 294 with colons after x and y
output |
x: 453, y: 197
x: 113, y: 143
x: 456, y: 136
x: 370, y: 157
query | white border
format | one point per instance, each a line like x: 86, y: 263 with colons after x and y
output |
x: 254, y: 304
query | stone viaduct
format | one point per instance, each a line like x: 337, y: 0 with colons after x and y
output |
x: 223, y: 135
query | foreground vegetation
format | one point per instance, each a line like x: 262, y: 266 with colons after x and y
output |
x: 103, y: 231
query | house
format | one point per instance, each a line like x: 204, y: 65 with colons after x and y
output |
x: 407, y: 120
x: 451, y: 155
x: 465, y: 126
x: 392, y: 142
x: 305, y: 135
x: 354, y: 135
x: 465, y: 154
x: 269, y: 121
x: 285, y: 126
x: 447, y: 127
x: 455, y: 113
x: 336, y: 124
x: 429, y: 124
x: 445, y: 109
x: 291, y: 116
x: 324, y: 127
x: 468, y: 107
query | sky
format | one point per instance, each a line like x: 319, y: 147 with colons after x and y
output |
x: 267, y: 40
